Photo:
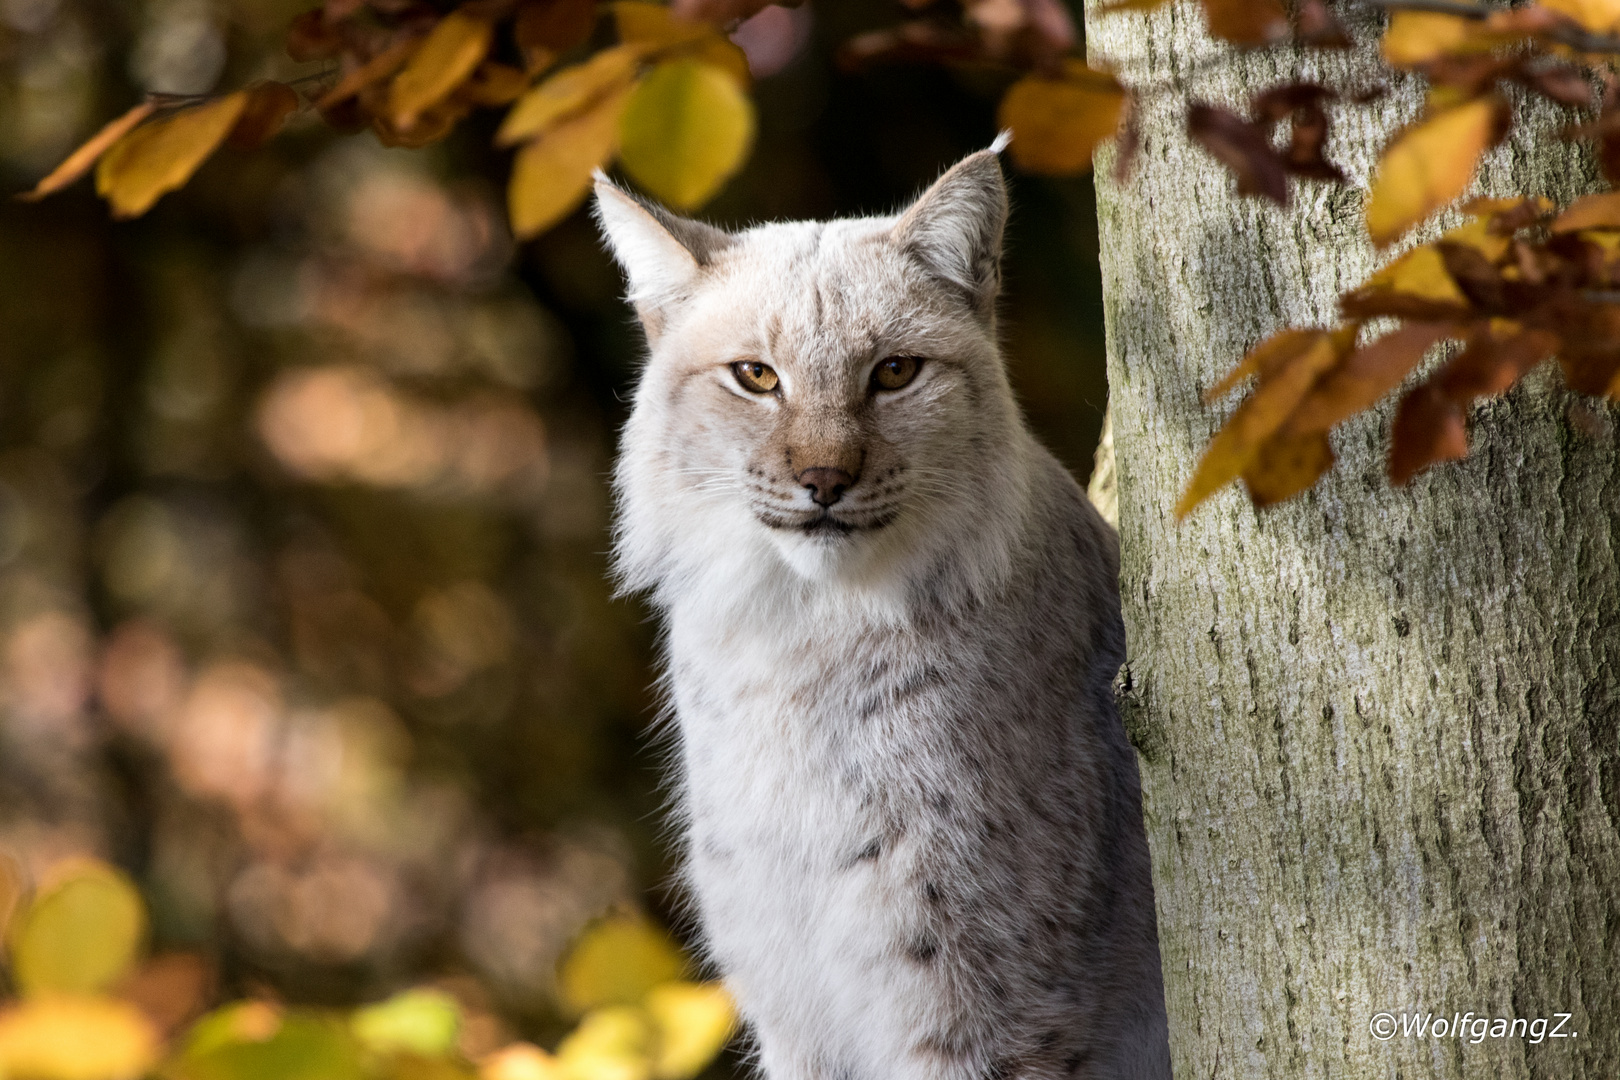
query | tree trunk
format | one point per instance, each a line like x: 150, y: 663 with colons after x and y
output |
x: 1378, y: 726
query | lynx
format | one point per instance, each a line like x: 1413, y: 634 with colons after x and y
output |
x: 911, y: 818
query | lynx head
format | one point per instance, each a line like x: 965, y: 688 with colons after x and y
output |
x: 823, y: 401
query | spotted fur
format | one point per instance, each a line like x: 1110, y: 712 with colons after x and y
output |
x: 911, y: 817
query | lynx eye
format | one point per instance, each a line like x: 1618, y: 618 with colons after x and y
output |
x: 895, y: 372
x: 755, y: 377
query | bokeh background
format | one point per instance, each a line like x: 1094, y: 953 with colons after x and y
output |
x: 304, y: 619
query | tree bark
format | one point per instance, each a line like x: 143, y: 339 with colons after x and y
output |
x: 1378, y: 726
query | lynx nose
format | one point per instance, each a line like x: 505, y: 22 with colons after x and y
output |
x: 826, y: 485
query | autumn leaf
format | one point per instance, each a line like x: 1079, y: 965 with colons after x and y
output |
x: 80, y: 161
x: 1416, y: 37
x: 615, y: 1042
x: 545, y: 29
x: 80, y: 933
x: 1429, y: 427
x: 1430, y: 164
x: 552, y: 174
x: 1598, y: 16
x: 616, y: 961
x: 568, y: 92
x: 663, y: 31
x: 422, y: 1021
x: 373, y: 71
x: 69, y: 1037
x: 686, y: 129
x: 494, y: 84
x: 1293, y: 368
x: 692, y: 1021
x: 447, y: 56
x: 1498, y: 353
x: 1270, y: 355
x: 1058, y: 122
x: 268, y: 106
x: 1243, y: 147
x: 1246, y: 22
x: 1601, y: 211
x: 1287, y: 463
x: 1416, y: 285
x: 520, y: 1061
x: 1367, y: 375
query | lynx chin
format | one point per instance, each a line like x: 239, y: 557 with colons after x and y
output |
x: 911, y: 819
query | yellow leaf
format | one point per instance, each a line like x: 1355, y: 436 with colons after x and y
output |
x: 1286, y: 464
x: 687, y: 128
x: 694, y: 1021
x: 1601, y: 211
x: 1430, y: 164
x: 75, y: 1038
x: 1265, y: 357
x: 654, y: 24
x: 448, y: 55
x: 569, y: 92
x: 520, y: 1061
x: 613, y: 1043
x: 1598, y: 16
x: 616, y: 961
x: 81, y: 932
x: 158, y: 157
x: 1057, y: 123
x: 1415, y: 37
x: 552, y: 174
x: 79, y: 162
x: 1420, y: 273
x: 1233, y: 448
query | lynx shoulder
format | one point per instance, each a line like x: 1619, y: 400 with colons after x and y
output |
x: 911, y: 818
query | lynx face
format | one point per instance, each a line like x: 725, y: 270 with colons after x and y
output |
x: 828, y: 392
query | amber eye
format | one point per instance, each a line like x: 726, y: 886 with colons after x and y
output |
x: 754, y: 376
x: 895, y: 372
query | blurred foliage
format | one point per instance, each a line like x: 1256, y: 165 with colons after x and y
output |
x: 304, y: 616
x: 94, y: 1015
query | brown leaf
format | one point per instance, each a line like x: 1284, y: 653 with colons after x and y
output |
x: 1600, y: 211
x: 1474, y: 274
x: 545, y: 29
x: 429, y: 127
x: 1034, y: 32
x: 1129, y: 140
x: 313, y: 37
x: 1431, y: 163
x: 450, y: 53
x: 79, y: 162
x: 170, y: 988
x: 1247, y: 22
x: 552, y: 174
x: 373, y: 71
x: 726, y: 12
x: 1243, y: 148
x: 921, y: 41
x: 656, y: 25
x: 1429, y: 427
x: 1562, y: 83
x: 1234, y: 447
x: 1367, y: 375
x: 1057, y: 123
x: 268, y: 106
x: 1318, y: 26
x: 1497, y: 355
x: 160, y: 156
x: 1597, y: 374
x: 1300, y: 103
x: 1286, y: 464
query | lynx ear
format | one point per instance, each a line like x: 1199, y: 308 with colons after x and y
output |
x: 662, y: 254
x: 954, y: 229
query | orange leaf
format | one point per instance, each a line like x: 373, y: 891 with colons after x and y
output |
x: 158, y: 157
x: 569, y: 92
x: 373, y: 71
x: 1233, y: 448
x: 449, y: 54
x: 1286, y: 464
x: 1057, y: 123
x: 1247, y: 22
x: 1430, y: 164
x: 1598, y: 16
x: 552, y: 174
x: 1601, y: 211
x: 1429, y: 427
x: 268, y: 106
x: 1367, y: 375
x: 79, y: 162
x: 638, y: 20
x: 1498, y: 353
